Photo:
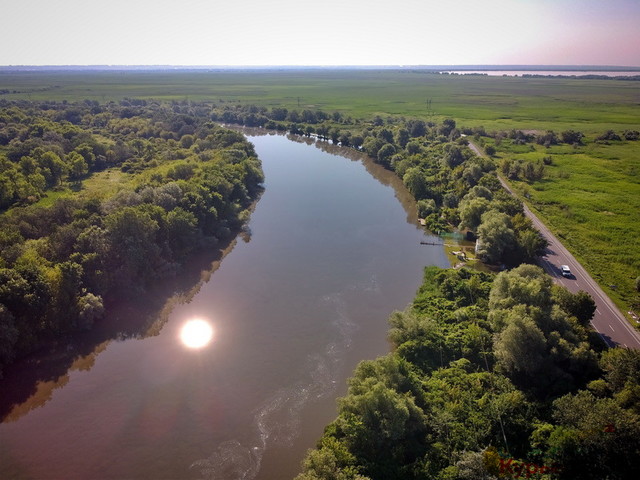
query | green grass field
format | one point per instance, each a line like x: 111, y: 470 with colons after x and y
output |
x: 590, y: 196
x: 495, y: 102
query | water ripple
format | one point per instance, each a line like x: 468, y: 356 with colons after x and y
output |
x: 277, y: 420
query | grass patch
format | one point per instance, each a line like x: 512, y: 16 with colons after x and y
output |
x: 106, y: 183
x: 590, y: 197
x: 498, y: 103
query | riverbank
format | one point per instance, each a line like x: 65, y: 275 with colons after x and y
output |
x: 460, y: 397
x: 30, y: 382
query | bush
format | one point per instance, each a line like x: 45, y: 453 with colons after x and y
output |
x: 609, y: 135
x: 631, y: 135
x: 572, y: 137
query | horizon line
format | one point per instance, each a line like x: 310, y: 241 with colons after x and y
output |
x: 569, y: 67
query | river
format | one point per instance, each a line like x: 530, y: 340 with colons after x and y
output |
x: 331, y: 250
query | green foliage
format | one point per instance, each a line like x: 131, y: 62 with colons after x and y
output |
x: 331, y: 461
x: 383, y: 404
x: 416, y: 183
x: 437, y: 170
x: 385, y: 153
x: 495, y: 236
x: 594, y: 438
x: 580, y: 305
x: 483, y: 365
x: 538, y: 346
x: 588, y: 197
x: 60, y: 264
x: 471, y: 211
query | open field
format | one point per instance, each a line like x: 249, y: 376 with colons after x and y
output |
x: 497, y: 103
x: 590, y: 196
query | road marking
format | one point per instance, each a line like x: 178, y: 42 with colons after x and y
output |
x: 611, y: 327
x: 598, y: 311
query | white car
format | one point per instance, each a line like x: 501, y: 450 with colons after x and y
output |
x: 566, y: 271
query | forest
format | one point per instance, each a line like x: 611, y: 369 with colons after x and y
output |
x: 100, y: 201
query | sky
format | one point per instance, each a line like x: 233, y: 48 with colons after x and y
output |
x: 327, y: 32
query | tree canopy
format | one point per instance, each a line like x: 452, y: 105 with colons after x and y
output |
x: 187, y: 183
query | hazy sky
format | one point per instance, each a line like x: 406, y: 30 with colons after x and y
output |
x: 325, y: 32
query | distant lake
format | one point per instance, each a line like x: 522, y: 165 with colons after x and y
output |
x: 332, y: 249
x: 519, y: 73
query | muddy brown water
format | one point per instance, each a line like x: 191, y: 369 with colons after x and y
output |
x: 332, y: 249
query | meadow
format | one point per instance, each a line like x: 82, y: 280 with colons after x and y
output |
x: 497, y: 103
x: 589, y: 196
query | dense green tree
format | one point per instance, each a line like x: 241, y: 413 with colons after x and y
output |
x: 521, y: 347
x: 580, y: 305
x: 595, y: 438
x: 495, y: 236
x: 448, y: 125
x: 426, y: 207
x: 378, y: 425
x: 134, y: 253
x: 413, y: 147
x: 402, y: 137
x: 415, y: 182
x: 52, y: 167
x: 417, y: 128
x: 90, y: 309
x: 621, y: 367
x: 181, y: 228
x: 471, y: 212
x: 331, y: 461
x: 385, y: 153
x: 526, y: 285
x: 536, y: 336
x: 78, y: 167
x: 454, y: 156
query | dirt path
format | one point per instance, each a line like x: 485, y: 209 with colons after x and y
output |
x: 608, y: 321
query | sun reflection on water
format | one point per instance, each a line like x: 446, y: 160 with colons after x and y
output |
x: 196, y: 333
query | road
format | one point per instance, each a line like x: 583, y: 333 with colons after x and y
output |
x: 608, y: 321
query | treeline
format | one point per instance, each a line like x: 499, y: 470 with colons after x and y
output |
x: 490, y: 377
x: 453, y: 187
x: 567, y: 137
x: 188, y: 183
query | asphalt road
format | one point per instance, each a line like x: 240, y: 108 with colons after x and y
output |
x: 608, y: 321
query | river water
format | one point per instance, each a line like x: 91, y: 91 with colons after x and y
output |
x: 332, y: 249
